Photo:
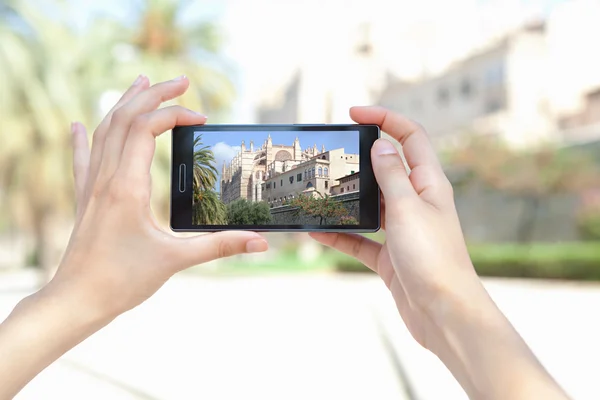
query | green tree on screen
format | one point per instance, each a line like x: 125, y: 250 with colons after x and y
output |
x: 244, y: 212
x: 324, y: 208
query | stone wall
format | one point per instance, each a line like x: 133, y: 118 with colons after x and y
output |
x: 286, y: 215
x: 488, y: 215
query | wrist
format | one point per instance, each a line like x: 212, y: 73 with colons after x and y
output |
x: 478, y: 344
x: 68, y: 304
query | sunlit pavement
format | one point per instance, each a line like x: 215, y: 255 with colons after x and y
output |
x: 299, y: 337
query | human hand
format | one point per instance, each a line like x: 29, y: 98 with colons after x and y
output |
x: 425, y: 264
x: 118, y: 256
x: 424, y: 261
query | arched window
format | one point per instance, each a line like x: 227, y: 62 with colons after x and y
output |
x: 326, y: 171
x: 309, y: 185
x: 313, y: 172
x: 305, y: 174
x: 320, y: 171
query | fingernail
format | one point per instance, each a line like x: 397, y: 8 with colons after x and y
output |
x: 198, y: 114
x: 138, y: 80
x: 256, y: 246
x: 384, y: 147
x: 180, y: 78
x: 73, y: 125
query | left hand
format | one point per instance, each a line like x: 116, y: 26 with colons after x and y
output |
x: 118, y: 255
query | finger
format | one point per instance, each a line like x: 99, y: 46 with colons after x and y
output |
x: 364, y: 250
x: 99, y: 137
x: 143, y: 102
x: 415, y: 144
x: 390, y: 171
x: 204, y: 248
x: 139, y: 148
x: 81, y: 160
x: 382, y: 212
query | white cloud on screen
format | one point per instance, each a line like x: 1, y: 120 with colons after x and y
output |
x: 224, y: 152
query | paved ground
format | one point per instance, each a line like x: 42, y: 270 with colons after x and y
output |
x: 299, y: 337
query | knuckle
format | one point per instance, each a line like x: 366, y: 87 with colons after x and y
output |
x: 120, y: 116
x: 117, y: 191
x: 446, y: 188
x: 357, y: 246
x: 140, y: 122
x: 225, y: 249
x: 419, y: 126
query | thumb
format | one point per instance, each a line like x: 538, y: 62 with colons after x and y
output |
x: 204, y: 248
x: 390, y: 171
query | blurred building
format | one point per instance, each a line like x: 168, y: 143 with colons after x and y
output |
x: 536, y: 84
x: 497, y: 91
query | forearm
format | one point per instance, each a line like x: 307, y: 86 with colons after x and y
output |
x: 486, y: 354
x: 41, y: 328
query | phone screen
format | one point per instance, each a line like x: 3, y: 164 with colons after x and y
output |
x: 276, y: 178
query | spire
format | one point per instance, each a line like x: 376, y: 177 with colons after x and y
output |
x: 323, y: 149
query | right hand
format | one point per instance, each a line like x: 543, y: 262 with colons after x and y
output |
x: 424, y: 261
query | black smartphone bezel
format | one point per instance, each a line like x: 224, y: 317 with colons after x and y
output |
x: 181, y: 202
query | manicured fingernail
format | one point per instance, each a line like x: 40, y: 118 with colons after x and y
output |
x: 180, y: 78
x: 256, y: 246
x: 138, y: 80
x: 384, y: 147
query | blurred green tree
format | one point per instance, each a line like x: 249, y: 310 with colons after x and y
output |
x: 244, y: 212
x: 532, y: 176
x: 163, y: 47
x: 52, y: 73
x: 40, y: 91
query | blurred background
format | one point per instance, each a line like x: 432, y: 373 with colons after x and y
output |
x: 509, y: 92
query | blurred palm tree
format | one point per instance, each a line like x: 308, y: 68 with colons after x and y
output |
x: 161, y: 46
x: 51, y: 74
x: 207, y: 208
x: 40, y: 89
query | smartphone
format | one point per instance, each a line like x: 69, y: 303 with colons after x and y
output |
x: 274, y: 178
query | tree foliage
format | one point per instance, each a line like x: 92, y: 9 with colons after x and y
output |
x: 208, y: 209
x: 324, y: 208
x: 244, y: 212
x: 532, y: 176
x: 45, y: 87
x: 205, y: 172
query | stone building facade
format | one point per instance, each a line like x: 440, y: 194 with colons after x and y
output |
x: 315, y: 176
x: 243, y: 176
x: 276, y: 173
x: 348, y: 184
